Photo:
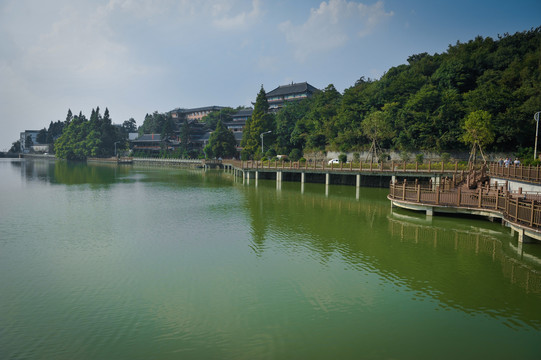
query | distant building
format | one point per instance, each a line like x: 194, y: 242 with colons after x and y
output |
x: 26, y: 147
x: 152, y: 143
x: 292, y: 92
x: 238, y: 120
x: 238, y: 123
x: 194, y: 114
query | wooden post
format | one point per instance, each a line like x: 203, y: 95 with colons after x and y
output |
x: 497, y: 197
x: 404, y: 165
x: 381, y: 167
x: 531, y: 213
x: 437, y: 195
x: 459, y: 195
x: 416, y: 166
x: 418, y: 193
x: 351, y: 165
x: 370, y: 165
x: 442, y: 166
x: 516, y: 209
x: 404, y: 190
x: 429, y: 165
x: 392, y: 165
x: 480, y: 197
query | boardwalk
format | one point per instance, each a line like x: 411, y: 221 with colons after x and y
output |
x: 521, y: 211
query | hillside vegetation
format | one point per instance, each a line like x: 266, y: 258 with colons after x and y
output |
x: 423, y: 104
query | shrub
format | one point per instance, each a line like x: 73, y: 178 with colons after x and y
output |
x: 445, y: 157
x: 420, y: 158
x: 343, y: 158
x: 270, y: 153
x: 295, y: 154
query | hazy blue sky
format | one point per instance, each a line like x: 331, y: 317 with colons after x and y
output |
x: 140, y: 56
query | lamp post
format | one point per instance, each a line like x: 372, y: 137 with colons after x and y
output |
x: 115, y: 146
x: 536, y: 118
x: 261, y: 135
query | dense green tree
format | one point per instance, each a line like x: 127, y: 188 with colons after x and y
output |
x: 260, y: 122
x: 185, y: 136
x: 128, y: 126
x: 221, y: 143
x: 478, y: 132
x: 42, y: 136
x: 15, y: 147
x: 376, y: 128
x: 168, y: 127
x: 29, y: 142
x: 318, y: 127
x: 225, y: 115
x: 286, y: 119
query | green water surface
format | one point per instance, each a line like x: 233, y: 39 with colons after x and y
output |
x: 128, y: 262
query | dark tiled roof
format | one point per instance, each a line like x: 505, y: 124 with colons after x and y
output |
x: 292, y: 89
x: 149, y: 137
x: 243, y: 113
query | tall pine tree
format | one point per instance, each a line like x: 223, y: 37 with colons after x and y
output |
x: 260, y: 122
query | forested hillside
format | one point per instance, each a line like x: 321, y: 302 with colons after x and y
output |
x: 424, y: 103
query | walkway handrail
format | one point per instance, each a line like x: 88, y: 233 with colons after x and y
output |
x: 523, y: 209
x: 387, y: 167
x: 516, y: 172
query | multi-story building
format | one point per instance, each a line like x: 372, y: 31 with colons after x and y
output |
x: 194, y: 114
x: 291, y: 92
x: 25, y: 146
x: 237, y: 124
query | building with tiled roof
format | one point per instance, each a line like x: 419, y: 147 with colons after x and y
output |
x: 195, y: 113
x: 291, y: 92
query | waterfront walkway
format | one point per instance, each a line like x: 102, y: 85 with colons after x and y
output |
x: 361, y: 174
x: 521, y: 211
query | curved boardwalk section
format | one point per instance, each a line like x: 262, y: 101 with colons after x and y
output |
x: 522, y: 212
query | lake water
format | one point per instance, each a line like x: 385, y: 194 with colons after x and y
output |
x: 107, y: 262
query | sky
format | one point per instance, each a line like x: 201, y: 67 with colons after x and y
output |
x: 139, y: 56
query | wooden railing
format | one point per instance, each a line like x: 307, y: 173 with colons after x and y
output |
x: 391, y: 166
x: 516, y: 172
x: 524, y: 209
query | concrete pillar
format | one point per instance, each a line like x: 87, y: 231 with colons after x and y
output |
x: 520, y: 236
x: 435, y: 181
x: 430, y: 212
x: 326, y: 189
x: 358, y: 194
x: 393, y: 179
x: 358, y: 181
x: 327, y: 179
x: 303, y: 178
x: 302, y: 188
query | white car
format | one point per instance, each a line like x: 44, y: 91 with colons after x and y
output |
x: 334, y: 161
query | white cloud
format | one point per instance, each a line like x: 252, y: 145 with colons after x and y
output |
x: 240, y: 20
x: 329, y: 26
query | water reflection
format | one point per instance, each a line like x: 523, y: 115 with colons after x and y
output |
x: 69, y: 173
x: 467, y: 264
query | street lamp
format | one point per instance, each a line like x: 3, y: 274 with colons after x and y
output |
x: 536, y: 118
x: 261, y: 135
